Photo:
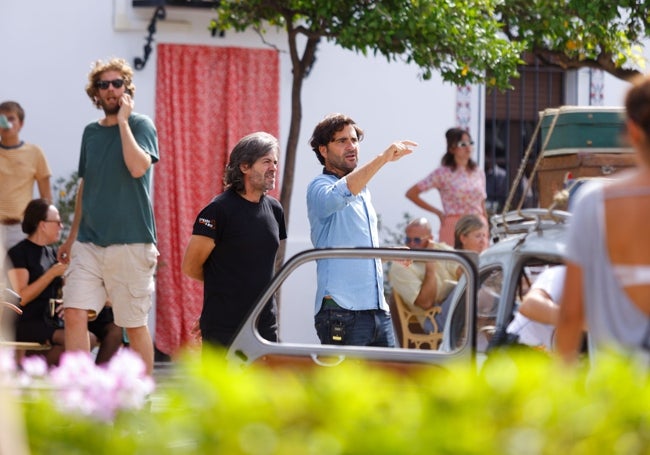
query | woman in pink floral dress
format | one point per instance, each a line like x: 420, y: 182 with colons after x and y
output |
x: 461, y: 184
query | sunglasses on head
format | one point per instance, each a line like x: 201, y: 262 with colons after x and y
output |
x: 117, y: 83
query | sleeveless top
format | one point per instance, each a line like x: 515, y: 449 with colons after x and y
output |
x: 614, y: 322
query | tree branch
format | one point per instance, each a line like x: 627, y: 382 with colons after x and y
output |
x: 603, y: 62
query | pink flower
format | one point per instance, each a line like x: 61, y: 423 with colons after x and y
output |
x: 82, y: 387
x: 34, y: 366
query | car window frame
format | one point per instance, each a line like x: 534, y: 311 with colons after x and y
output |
x: 248, y: 346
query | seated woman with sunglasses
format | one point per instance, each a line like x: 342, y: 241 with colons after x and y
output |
x: 461, y: 184
x: 37, y: 276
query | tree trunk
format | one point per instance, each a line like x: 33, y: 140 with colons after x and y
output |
x: 300, y: 69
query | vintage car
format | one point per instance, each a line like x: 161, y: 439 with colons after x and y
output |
x: 525, y: 243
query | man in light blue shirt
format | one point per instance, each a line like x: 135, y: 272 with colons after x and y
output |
x: 350, y: 305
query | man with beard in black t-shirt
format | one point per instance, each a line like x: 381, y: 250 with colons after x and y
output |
x: 234, y: 242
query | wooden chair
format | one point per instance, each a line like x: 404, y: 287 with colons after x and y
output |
x: 9, y: 307
x: 413, y: 335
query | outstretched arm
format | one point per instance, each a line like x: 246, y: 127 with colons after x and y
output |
x: 359, y: 178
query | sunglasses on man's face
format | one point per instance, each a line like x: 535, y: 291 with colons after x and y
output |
x: 414, y: 240
x: 117, y: 83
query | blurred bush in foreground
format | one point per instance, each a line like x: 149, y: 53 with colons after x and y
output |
x: 517, y: 404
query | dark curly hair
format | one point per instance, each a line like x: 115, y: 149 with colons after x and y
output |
x: 325, y: 130
x: 114, y: 64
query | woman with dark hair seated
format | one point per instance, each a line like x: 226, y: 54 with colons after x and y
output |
x: 37, y: 276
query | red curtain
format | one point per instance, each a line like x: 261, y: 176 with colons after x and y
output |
x: 207, y: 98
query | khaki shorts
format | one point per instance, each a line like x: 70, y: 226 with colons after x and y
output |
x: 12, y: 235
x: 121, y: 274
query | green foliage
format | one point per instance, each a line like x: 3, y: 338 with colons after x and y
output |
x: 574, y: 33
x: 393, y: 236
x: 520, y: 402
x: 65, y: 193
x: 460, y: 39
x: 477, y: 41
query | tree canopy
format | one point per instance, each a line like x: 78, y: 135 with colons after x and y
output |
x: 459, y: 39
x: 573, y: 34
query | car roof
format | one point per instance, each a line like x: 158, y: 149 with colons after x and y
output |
x: 547, y: 243
x: 535, y: 239
x: 528, y: 233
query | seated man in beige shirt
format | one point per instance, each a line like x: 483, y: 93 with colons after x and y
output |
x: 424, y: 284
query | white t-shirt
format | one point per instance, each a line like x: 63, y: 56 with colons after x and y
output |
x: 534, y: 333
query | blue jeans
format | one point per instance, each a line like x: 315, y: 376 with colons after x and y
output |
x: 355, y: 328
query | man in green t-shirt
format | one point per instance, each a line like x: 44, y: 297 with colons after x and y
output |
x: 112, y: 244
